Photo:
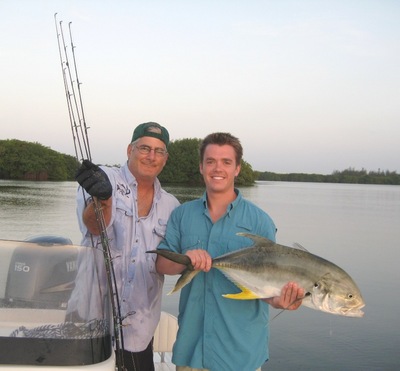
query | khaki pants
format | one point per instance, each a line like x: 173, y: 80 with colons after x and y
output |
x: 185, y: 368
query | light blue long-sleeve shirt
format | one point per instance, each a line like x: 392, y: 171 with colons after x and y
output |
x: 130, y: 236
x: 217, y: 333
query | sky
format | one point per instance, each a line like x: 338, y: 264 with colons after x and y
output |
x: 308, y: 86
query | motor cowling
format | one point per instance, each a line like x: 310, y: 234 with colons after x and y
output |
x: 37, y: 279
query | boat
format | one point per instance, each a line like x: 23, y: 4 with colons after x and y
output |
x: 37, y: 330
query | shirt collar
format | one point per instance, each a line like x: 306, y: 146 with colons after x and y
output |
x: 230, y: 206
x: 131, y: 180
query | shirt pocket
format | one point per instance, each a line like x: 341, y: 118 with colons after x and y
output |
x: 122, y: 224
x: 192, y: 242
x: 123, y: 207
x: 160, y: 228
x: 233, y: 243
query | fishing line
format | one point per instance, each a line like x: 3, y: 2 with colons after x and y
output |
x: 82, y: 151
x: 285, y: 309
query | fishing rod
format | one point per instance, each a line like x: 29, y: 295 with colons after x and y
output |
x: 82, y: 151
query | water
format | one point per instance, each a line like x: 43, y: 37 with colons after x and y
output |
x: 354, y: 226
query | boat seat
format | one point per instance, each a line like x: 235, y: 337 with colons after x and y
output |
x: 164, y: 339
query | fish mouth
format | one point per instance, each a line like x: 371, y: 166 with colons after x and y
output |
x: 358, y: 314
x: 353, y: 312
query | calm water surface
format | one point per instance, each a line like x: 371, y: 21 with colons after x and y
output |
x: 354, y: 226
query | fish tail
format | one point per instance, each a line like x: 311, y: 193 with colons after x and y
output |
x: 244, y: 295
x: 187, y: 275
x: 173, y: 256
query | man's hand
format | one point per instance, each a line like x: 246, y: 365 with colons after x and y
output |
x: 94, y: 180
x: 290, y: 299
x: 201, y: 259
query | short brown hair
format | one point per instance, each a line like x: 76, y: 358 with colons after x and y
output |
x: 222, y: 139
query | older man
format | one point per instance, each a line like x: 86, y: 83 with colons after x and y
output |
x: 136, y: 210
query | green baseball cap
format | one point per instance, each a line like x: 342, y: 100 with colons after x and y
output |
x: 151, y: 129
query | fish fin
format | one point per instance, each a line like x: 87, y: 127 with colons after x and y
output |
x: 296, y: 245
x: 187, y: 275
x: 245, y: 294
x: 257, y: 240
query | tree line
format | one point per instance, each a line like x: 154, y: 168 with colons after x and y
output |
x: 349, y: 175
x: 22, y: 160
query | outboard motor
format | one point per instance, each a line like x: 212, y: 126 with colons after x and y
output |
x: 54, y: 306
x: 37, y: 279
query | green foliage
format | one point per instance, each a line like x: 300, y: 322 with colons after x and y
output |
x: 246, y: 176
x: 32, y: 161
x: 349, y: 175
x: 183, y: 165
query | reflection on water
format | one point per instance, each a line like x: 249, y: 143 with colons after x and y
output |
x: 36, y: 208
x: 184, y: 194
x: 354, y: 226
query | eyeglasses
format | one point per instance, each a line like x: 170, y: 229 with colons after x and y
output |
x: 145, y: 150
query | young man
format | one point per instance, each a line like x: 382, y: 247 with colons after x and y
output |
x: 216, y: 333
x: 136, y: 210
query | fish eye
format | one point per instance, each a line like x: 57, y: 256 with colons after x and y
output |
x: 316, y: 285
x: 349, y: 296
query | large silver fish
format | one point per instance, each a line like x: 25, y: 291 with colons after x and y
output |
x: 261, y: 271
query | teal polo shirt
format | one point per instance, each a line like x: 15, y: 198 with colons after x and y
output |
x: 217, y: 333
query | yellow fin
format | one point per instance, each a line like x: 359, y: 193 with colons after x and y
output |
x: 246, y: 294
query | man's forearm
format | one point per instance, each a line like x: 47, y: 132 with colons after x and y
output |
x: 89, y: 216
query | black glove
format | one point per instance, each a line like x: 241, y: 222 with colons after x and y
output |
x: 94, y: 180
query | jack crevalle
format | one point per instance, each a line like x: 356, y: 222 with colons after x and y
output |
x: 262, y: 269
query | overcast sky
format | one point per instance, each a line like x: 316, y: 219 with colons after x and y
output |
x: 308, y: 86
